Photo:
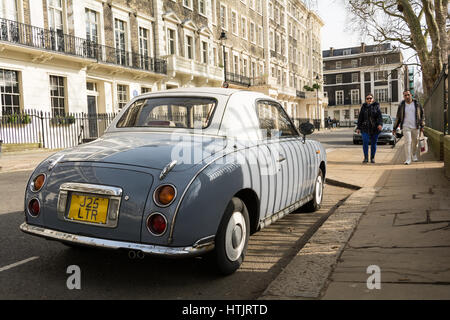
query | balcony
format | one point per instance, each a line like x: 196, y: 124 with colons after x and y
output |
x: 55, y: 41
x: 245, y: 81
x: 301, y: 94
x: 238, y: 79
x: 189, y: 67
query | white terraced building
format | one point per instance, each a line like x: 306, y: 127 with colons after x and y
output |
x: 92, y: 56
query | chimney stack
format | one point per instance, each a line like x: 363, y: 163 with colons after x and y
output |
x: 363, y: 47
x: 331, y: 51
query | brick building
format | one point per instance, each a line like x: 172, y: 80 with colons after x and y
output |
x: 352, y: 73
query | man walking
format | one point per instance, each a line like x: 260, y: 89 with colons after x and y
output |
x: 410, y: 119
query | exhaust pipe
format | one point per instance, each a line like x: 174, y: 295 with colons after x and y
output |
x: 136, y: 254
x: 132, y: 254
x: 140, y: 255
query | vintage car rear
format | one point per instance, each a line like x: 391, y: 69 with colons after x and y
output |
x: 121, y: 191
x: 179, y: 173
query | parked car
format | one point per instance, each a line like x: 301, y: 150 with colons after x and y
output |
x: 179, y: 173
x: 385, y: 135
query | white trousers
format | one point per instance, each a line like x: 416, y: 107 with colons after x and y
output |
x: 411, y: 142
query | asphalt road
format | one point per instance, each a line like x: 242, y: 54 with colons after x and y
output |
x: 336, y: 139
x: 34, y: 268
x: 340, y: 138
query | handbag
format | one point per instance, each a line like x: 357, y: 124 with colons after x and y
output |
x: 423, y: 144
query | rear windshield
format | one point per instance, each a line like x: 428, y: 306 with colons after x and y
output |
x: 170, y: 112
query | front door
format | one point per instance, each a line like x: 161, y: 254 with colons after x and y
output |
x: 282, y: 176
x: 92, y: 116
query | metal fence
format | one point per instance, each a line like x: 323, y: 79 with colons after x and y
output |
x: 315, y: 122
x: 57, y: 41
x: 52, y: 132
x: 436, y: 105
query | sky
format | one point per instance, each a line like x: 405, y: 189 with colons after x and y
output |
x: 336, y: 32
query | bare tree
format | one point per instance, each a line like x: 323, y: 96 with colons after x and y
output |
x: 416, y: 24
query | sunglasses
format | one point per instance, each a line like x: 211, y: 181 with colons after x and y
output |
x: 369, y: 98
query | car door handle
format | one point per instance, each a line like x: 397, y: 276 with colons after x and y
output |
x: 281, y: 159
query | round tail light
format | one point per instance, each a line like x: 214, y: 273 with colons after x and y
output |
x: 34, y: 207
x: 156, y: 224
x: 38, y: 182
x: 164, y: 195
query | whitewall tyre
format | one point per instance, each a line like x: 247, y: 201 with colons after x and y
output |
x: 316, y: 202
x: 232, y: 237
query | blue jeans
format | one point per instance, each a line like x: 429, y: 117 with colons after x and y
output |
x: 372, y: 138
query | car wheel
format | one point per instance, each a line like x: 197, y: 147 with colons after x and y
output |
x: 316, y: 202
x: 232, y: 237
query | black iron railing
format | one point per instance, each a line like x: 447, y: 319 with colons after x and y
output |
x: 301, y: 94
x: 244, y: 80
x: 238, y: 79
x: 57, y: 41
x: 52, y: 131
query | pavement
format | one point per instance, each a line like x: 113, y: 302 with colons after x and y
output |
x: 23, y: 160
x: 396, y: 223
x: 389, y: 240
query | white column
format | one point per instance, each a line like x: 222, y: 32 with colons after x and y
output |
x: 160, y: 36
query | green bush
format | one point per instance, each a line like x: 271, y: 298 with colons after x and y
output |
x: 58, y: 120
x: 17, y: 119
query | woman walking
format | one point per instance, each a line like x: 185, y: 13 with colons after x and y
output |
x: 370, y: 123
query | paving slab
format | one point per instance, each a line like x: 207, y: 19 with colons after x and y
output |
x: 307, y: 273
x: 403, y: 228
x: 404, y: 291
x: 23, y: 160
x: 405, y: 265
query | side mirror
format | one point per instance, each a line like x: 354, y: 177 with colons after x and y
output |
x: 306, y: 128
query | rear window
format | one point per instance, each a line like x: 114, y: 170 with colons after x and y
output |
x: 170, y: 112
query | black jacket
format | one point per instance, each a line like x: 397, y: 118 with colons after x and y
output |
x: 370, y: 118
x: 420, y: 123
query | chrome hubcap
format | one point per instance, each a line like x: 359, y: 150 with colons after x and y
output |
x: 319, y: 189
x: 235, y: 236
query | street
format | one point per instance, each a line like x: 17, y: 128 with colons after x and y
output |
x: 34, y: 268
x: 323, y: 255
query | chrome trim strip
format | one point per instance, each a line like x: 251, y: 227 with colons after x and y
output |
x: 172, y: 225
x: 167, y: 169
x: 112, y: 244
x: 54, y: 163
x: 91, y: 188
x: 207, y: 241
x: 280, y: 214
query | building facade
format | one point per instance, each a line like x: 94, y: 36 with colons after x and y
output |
x: 273, y: 47
x: 352, y: 73
x: 92, y: 56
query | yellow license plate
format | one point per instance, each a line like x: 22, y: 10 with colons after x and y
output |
x: 88, y: 209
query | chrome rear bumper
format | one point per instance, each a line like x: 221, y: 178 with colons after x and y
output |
x: 200, y: 247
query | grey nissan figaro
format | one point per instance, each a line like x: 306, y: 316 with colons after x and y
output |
x: 179, y: 173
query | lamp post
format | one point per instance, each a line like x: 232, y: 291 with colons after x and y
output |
x: 223, y: 37
x: 317, y: 86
